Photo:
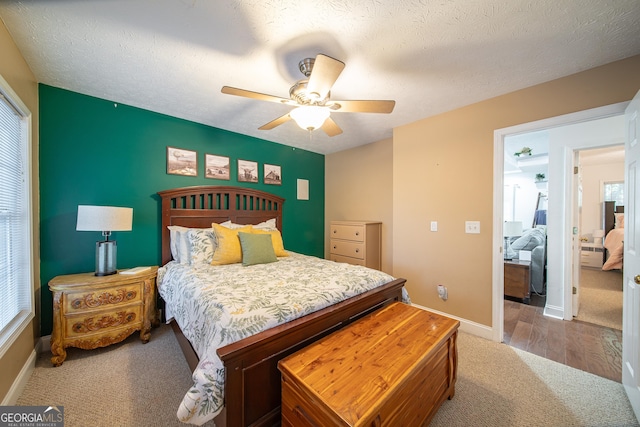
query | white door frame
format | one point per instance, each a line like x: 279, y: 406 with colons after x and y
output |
x: 559, y: 250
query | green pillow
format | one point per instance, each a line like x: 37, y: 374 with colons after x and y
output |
x: 256, y: 248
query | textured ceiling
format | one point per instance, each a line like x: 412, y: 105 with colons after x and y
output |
x: 431, y: 56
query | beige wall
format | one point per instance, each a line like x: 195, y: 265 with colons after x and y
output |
x: 16, y: 72
x: 358, y: 186
x: 443, y: 171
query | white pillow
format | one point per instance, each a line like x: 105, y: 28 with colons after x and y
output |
x: 179, y: 243
x: 268, y: 225
x: 231, y: 225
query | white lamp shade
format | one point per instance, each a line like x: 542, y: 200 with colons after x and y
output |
x: 598, y: 233
x: 104, y: 218
x: 310, y: 117
x: 512, y: 228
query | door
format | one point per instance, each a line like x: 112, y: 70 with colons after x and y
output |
x: 631, y: 266
x: 576, y: 231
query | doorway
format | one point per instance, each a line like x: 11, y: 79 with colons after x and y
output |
x: 601, y: 173
x: 601, y: 178
x: 562, y: 144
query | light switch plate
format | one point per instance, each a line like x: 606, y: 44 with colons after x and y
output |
x: 472, y: 227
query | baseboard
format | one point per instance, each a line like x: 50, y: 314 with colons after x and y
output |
x: 467, y: 326
x: 21, y: 380
x: 553, y: 311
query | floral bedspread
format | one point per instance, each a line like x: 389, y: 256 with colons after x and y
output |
x: 217, y: 305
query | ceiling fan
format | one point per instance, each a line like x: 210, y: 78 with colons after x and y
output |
x: 311, y: 97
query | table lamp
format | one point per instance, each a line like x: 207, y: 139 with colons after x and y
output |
x: 105, y: 219
x: 511, y: 229
x: 597, y: 236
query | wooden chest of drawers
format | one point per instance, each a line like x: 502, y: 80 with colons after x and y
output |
x: 91, y: 311
x: 394, y: 367
x: 356, y: 242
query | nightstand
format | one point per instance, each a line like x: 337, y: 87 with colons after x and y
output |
x: 517, y: 279
x: 592, y: 255
x: 92, y: 311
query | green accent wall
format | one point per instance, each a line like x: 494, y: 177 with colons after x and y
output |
x: 99, y: 152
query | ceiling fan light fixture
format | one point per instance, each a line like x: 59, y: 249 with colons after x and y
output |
x: 310, y: 117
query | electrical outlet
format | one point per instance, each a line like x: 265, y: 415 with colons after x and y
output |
x: 434, y: 225
x: 472, y: 227
x: 442, y: 292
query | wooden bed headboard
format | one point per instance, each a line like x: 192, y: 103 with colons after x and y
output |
x: 609, y: 209
x: 199, y: 206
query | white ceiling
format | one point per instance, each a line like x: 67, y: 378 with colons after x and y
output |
x: 431, y: 56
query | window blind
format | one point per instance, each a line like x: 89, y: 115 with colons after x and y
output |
x: 15, y: 235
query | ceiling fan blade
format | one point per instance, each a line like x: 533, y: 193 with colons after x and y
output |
x: 255, y: 95
x: 277, y: 122
x: 385, y: 107
x: 324, y: 74
x: 330, y: 127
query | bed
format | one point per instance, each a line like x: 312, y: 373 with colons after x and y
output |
x: 614, y: 236
x: 251, y: 380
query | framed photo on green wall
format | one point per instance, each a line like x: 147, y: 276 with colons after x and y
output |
x: 247, y: 171
x: 272, y: 174
x: 217, y: 167
x: 182, y: 162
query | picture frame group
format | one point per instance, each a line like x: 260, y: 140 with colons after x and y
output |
x: 184, y: 162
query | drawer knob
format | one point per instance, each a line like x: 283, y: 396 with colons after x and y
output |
x: 357, y: 250
x: 335, y: 231
x: 357, y: 233
x: 335, y: 247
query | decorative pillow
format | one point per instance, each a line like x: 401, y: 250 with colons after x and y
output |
x: 228, y: 250
x: 276, y: 238
x: 619, y: 220
x: 256, y: 249
x: 179, y: 243
x: 202, y: 242
x: 529, y: 240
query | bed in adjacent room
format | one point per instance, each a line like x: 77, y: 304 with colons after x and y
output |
x: 236, y: 319
x: 614, y: 236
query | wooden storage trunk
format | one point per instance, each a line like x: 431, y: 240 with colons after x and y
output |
x: 394, y: 367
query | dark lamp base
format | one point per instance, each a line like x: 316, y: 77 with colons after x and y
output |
x: 106, y: 253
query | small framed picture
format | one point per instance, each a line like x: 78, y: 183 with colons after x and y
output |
x: 247, y: 171
x: 182, y: 162
x: 272, y: 174
x: 217, y: 167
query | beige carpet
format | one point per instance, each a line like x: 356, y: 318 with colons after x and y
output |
x: 132, y: 384
x: 126, y: 384
x: 601, y: 298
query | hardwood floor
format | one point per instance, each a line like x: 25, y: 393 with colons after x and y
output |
x: 585, y: 346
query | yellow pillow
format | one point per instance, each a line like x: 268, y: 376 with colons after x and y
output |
x: 228, y: 250
x: 276, y: 239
